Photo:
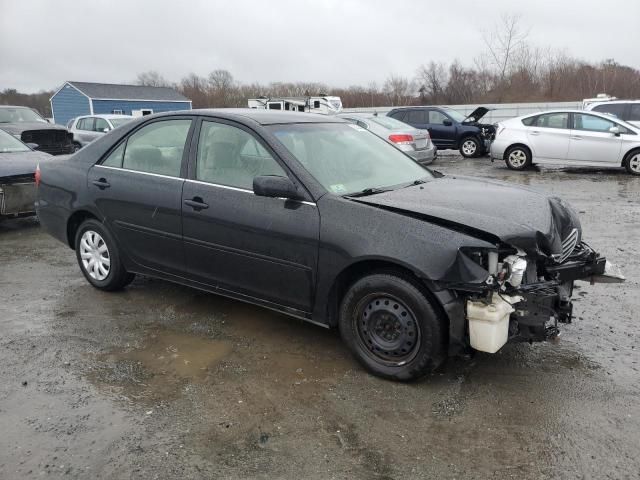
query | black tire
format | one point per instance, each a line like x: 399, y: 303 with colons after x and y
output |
x: 401, y: 337
x: 470, y: 147
x: 116, y: 276
x: 632, y: 162
x: 76, y: 147
x: 518, y: 157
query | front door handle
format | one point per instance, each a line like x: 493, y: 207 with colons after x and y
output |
x: 535, y: 133
x: 101, y: 183
x: 575, y: 137
x: 197, y: 204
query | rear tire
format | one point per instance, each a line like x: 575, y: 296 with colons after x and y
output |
x: 99, y: 258
x: 391, y: 327
x: 518, y: 158
x: 470, y: 147
x: 632, y: 162
x: 76, y: 147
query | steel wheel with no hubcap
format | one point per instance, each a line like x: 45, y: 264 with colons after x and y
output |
x: 469, y: 147
x: 388, y: 329
x: 95, y: 255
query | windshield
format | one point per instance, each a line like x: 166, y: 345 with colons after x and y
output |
x: 456, y: 115
x: 116, y: 122
x: 19, y: 114
x: 346, y: 158
x: 10, y: 144
x: 390, y: 123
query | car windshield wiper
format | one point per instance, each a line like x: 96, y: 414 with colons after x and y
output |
x: 368, y: 191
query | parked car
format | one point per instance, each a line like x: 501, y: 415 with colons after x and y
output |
x: 415, y: 143
x: 304, y: 214
x: 18, y: 164
x: 87, y: 128
x: 449, y: 129
x: 627, y: 110
x: 568, y: 137
x: 27, y: 125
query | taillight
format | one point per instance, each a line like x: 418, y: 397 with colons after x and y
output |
x: 37, y: 175
x: 401, y: 138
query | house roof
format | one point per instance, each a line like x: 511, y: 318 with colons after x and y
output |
x: 110, y: 91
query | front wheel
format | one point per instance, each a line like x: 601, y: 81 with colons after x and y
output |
x: 99, y: 258
x: 391, y: 327
x: 470, y: 147
x: 632, y: 162
x: 518, y: 158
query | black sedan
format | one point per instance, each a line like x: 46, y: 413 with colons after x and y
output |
x: 318, y: 219
x: 27, y: 125
x: 18, y: 163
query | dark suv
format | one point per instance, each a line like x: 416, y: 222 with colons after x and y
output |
x: 449, y: 129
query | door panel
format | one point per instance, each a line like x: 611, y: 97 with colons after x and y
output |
x: 443, y: 136
x: 549, y: 136
x: 591, y: 140
x: 262, y: 247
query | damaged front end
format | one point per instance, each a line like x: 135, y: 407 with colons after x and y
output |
x: 511, y: 295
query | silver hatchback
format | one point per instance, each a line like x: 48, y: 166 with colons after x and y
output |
x: 415, y: 143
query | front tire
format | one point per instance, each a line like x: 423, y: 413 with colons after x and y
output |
x: 518, y: 158
x: 470, y: 147
x: 391, y: 327
x: 99, y: 258
x: 632, y: 162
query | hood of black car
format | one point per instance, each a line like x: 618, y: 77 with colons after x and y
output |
x: 476, y: 115
x: 487, y: 209
x: 18, y: 128
x: 20, y: 163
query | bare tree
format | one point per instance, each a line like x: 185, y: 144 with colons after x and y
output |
x: 152, y: 79
x: 398, y: 90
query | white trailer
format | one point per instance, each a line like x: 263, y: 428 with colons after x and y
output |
x: 326, y: 105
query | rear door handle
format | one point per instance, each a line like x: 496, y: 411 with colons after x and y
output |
x: 101, y: 183
x: 575, y: 137
x: 197, y: 204
x: 535, y: 133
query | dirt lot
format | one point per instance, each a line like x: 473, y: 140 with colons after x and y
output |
x: 161, y: 381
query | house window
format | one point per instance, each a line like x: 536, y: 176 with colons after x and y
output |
x: 117, y: 111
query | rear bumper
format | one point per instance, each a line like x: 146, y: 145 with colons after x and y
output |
x: 425, y: 156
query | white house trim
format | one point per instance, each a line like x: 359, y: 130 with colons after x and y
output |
x: 140, y: 100
x: 53, y: 115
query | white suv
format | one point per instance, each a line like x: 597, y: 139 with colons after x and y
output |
x: 87, y: 128
x: 567, y: 137
x: 627, y: 110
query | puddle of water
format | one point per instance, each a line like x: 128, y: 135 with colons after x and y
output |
x: 175, y: 354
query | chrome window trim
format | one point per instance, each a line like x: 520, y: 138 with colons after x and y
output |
x: 139, y: 172
x: 217, y: 185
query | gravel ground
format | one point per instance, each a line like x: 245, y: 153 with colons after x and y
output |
x: 160, y: 381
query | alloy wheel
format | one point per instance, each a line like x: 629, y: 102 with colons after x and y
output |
x: 517, y: 158
x: 634, y: 164
x: 94, y: 254
x: 469, y: 147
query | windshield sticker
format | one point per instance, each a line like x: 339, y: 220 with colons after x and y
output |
x: 338, y: 188
x: 357, y: 127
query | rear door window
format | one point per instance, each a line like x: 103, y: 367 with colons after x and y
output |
x: 553, y: 120
x: 417, y: 116
x: 157, y: 148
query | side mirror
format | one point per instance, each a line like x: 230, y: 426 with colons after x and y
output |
x: 32, y: 146
x: 447, y: 123
x: 105, y: 130
x: 616, y: 131
x: 276, y: 187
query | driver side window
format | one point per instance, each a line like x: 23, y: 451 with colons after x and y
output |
x: 230, y: 156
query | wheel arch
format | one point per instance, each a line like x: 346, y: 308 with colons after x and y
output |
x: 360, y: 268
x: 517, y: 144
x: 628, y: 154
x: 74, y: 222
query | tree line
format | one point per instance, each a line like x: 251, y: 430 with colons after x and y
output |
x: 509, y: 69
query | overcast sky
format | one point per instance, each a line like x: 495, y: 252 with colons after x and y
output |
x: 337, y: 42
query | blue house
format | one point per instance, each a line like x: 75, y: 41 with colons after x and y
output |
x: 82, y: 98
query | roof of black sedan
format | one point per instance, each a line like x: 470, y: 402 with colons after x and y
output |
x: 265, y: 117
